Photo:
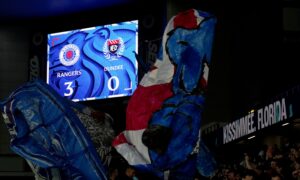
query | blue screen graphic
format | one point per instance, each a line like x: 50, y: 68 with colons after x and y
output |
x: 94, y: 63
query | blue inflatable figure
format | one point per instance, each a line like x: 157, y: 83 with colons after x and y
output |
x: 46, y: 131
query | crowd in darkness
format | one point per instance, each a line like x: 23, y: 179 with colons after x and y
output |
x: 265, y: 162
x: 268, y: 162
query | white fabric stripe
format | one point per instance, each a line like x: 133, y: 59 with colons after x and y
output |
x: 135, y: 137
x: 164, y: 68
x: 198, y: 17
x: 132, y: 156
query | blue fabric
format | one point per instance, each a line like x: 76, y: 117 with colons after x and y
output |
x: 188, y: 49
x: 206, y: 163
x: 184, y: 171
x: 181, y: 113
x: 45, y: 131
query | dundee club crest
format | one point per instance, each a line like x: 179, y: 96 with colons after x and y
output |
x: 113, y: 48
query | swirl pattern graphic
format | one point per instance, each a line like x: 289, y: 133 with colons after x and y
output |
x: 100, y: 72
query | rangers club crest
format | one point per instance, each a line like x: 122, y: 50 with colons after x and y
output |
x: 113, y: 49
x: 69, y: 54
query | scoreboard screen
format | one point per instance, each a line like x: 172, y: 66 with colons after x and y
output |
x: 94, y: 63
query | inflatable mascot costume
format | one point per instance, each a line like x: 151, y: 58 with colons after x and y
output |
x: 163, y: 117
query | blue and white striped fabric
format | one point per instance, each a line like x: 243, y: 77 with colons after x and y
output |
x: 46, y: 132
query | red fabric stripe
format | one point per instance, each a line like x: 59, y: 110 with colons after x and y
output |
x: 144, y: 102
x: 120, y: 139
x: 186, y: 20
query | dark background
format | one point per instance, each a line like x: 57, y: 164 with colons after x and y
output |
x: 254, y: 60
x: 254, y: 55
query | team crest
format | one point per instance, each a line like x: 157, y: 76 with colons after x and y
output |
x: 113, y: 49
x: 69, y: 54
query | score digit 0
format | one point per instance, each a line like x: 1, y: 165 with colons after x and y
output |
x: 109, y: 83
